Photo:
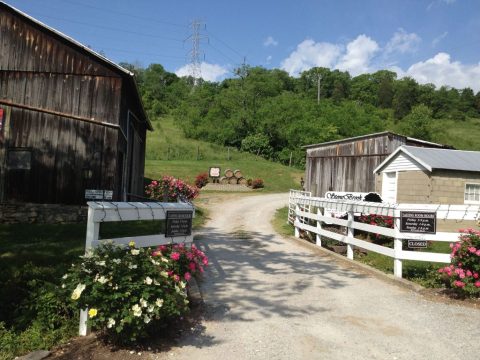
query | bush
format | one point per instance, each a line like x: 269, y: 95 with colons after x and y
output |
x: 463, y: 274
x: 127, y: 290
x: 172, y: 189
x: 378, y: 220
x: 201, y: 180
x: 257, y: 184
x: 185, y: 261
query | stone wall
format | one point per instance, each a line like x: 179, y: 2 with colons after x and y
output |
x: 12, y: 213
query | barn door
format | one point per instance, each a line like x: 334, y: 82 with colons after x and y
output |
x: 389, y: 187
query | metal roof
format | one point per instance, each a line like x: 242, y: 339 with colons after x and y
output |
x: 129, y: 75
x: 383, y: 133
x: 445, y: 159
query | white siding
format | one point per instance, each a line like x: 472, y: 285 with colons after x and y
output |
x: 402, y: 162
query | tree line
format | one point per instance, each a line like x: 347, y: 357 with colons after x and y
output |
x: 272, y: 114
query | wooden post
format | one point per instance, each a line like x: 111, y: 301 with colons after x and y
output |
x: 290, y: 161
x: 350, y: 233
x: 297, y: 220
x: 397, y: 247
x: 228, y: 153
x: 93, y: 229
x: 318, y: 238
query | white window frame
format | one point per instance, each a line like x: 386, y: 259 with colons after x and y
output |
x: 465, y: 193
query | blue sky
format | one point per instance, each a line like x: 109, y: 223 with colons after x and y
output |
x: 433, y: 40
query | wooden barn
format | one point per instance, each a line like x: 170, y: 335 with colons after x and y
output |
x: 70, y: 119
x: 348, y: 164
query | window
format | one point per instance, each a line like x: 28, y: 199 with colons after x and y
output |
x: 472, y: 193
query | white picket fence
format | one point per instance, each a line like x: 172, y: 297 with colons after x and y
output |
x: 294, y: 194
x: 459, y: 213
x: 99, y: 212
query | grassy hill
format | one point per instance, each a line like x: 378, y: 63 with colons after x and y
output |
x: 463, y: 135
x: 170, y: 153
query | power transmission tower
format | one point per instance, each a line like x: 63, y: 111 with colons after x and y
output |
x: 195, y: 53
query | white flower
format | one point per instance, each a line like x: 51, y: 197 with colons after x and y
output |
x: 132, y: 266
x: 146, y: 319
x: 65, y: 276
x: 117, y: 261
x: 102, y: 279
x: 135, y: 251
x: 177, y: 289
x: 100, y: 263
x: 78, y: 291
x: 150, y: 309
x: 155, y: 282
x: 164, y: 274
x: 137, y: 310
x: 182, y: 284
x: 148, y: 280
x: 143, y: 302
x: 154, y: 262
x: 110, y: 323
x: 159, y: 302
x: 63, y: 286
x: 115, y: 287
x: 164, y: 259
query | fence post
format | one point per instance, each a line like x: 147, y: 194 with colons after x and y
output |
x: 350, y: 233
x: 397, y: 247
x: 93, y: 229
x: 297, y: 220
x: 319, y: 227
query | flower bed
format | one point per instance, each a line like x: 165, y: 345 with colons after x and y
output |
x: 170, y: 189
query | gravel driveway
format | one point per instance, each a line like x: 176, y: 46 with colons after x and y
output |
x: 269, y: 298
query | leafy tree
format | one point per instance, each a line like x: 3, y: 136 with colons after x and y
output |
x: 257, y: 144
x: 418, y: 123
x: 405, y: 96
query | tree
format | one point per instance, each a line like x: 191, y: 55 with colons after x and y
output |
x: 418, y: 123
x: 257, y: 144
x: 405, y: 97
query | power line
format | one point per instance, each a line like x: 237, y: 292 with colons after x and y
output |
x: 196, y: 37
x: 142, y: 53
x: 225, y: 44
x: 157, y: 21
x: 110, y: 28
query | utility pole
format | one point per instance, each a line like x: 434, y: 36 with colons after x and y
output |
x: 195, y: 52
x: 319, y: 78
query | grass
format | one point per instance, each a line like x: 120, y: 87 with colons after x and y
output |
x: 280, y: 224
x: 182, y: 161
x: 463, y: 135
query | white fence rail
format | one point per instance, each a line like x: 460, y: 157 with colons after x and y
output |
x: 443, y: 212
x: 99, y: 212
x: 295, y: 194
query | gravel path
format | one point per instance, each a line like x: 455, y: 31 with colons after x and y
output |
x: 269, y: 298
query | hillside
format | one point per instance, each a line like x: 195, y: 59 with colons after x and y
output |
x: 170, y: 153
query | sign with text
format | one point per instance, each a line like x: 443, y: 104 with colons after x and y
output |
x: 179, y: 223
x: 214, y: 172
x: 340, y: 195
x: 93, y: 194
x: 417, y: 244
x: 420, y: 222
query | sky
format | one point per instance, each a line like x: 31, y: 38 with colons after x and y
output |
x: 433, y: 41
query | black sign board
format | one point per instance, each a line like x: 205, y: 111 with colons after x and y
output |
x: 179, y: 223
x: 420, y: 222
x: 417, y: 244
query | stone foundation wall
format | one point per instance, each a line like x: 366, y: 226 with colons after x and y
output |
x: 12, y: 213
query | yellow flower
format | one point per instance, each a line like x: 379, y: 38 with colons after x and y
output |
x: 131, y: 244
x: 92, y: 313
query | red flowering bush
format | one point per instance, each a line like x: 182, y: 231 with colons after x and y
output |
x: 172, y: 189
x: 201, y: 180
x: 463, y: 274
x: 257, y: 184
x: 378, y: 220
x: 184, y: 261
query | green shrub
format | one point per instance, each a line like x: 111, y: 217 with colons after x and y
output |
x: 126, y: 290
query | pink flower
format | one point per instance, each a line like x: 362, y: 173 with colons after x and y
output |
x: 192, y: 266
x: 475, y: 275
x: 477, y: 283
x: 156, y: 253
x: 478, y: 252
x: 459, y: 284
x: 469, y: 273
x: 176, y: 278
x: 162, y: 248
x: 175, y: 256
x: 187, y: 276
x: 205, y: 261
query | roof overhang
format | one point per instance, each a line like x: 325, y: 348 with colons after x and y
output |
x: 394, y: 154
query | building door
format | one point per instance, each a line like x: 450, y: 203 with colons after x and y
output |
x: 389, y: 187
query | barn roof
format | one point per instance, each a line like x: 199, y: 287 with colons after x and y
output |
x: 379, y: 134
x: 431, y: 159
x: 130, y: 76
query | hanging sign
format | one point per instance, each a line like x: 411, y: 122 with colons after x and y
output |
x: 214, y: 172
x: 417, y: 244
x: 179, y: 223
x: 93, y: 194
x: 420, y: 222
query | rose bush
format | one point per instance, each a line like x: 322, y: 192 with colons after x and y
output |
x: 201, y: 180
x: 172, y: 189
x: 126, y: 290
x: 378, y: 220
x: 463, y: 274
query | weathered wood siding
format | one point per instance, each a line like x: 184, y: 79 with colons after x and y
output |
x: 64, y: 105
x: 347, y: 166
